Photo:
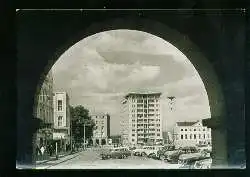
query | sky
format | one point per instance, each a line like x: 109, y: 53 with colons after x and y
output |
x: 98, y: 71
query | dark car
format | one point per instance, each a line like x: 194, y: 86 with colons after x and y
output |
x: 116, y: 153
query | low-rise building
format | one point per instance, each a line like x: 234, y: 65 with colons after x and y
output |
x: 101, y: 132
x: 62, y: 127
x: 191, y: 134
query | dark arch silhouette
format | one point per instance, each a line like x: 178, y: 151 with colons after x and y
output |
x: 66, y: 38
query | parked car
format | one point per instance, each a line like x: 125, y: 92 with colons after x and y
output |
x: 188, y: 160
x: 151, y: 151
x: 204, y: 148
x: 203, y: 163
x: 189, y: 149
x: 137, y: 151
x: 115, y: 153
x: 197, y: 161
x: 132, y: 148
x: 174, y: 157
x: 160, y: 153
x: 166, y: 155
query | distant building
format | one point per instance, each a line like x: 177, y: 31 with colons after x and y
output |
x: 142, y: 120
x: 44, y: 111
x: 62, y: 131
x: 191, y: 134
x: 101, y: 132
x: 124, y: 123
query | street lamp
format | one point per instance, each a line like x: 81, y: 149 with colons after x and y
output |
x: 171, y: 99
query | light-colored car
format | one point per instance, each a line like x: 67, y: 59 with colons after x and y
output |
x: 150, y: 151
x: 120, y: 153
x: 191, y: 161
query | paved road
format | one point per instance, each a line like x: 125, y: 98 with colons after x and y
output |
x: 91, y: 160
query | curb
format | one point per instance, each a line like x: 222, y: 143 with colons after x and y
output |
x: 62, y: 161
x: 54, y: 158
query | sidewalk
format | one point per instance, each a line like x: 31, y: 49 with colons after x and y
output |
x: 54, y: 160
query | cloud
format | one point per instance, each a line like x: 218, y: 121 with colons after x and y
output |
x: 98, y: 71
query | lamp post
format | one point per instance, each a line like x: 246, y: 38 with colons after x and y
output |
x: 171, y: 99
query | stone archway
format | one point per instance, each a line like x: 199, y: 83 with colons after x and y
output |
x: 30, y: 72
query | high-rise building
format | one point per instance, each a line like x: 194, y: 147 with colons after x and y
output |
x: 62, y: 127
x: 44, y: 110
x: 101, y: 133
x: 142, y: 119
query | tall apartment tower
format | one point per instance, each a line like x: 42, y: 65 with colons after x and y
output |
x: 61, y: 117
x: 102, y: 131
x: 143, y: 123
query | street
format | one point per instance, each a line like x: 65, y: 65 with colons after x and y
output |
x: 90, y: 159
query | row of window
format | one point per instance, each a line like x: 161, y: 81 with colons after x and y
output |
x: 148, y: 134
x: 149, y: 105
x: 100, y: 116
x: 146, y: 125
x: 146, y: 120
x: 145, y: 109
x: 194, y: 136
x: 145, y: 115
x: 152, y: 129
x: 100, y: 122
x: 145, y: 100
x: 190, y: 129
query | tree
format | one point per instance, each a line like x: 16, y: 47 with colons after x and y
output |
x: 79, y: 117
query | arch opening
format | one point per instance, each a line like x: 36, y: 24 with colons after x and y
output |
x: 198, y: 63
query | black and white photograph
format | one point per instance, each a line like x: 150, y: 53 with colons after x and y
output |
x: 151, y: 90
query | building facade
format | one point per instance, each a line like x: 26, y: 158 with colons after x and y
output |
x: 191, y: 134
x: 101, y: 133
x: 44, y: 111
x: 142, y: 119
x: 62, y: 123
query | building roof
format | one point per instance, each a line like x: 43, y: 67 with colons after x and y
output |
x: 143, y: 93
x: 186, y: 123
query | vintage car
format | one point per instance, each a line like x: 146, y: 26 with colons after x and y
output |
x: 115, y: 153
x: 203, y: 163
x: 188, y: 160
x: 149, y: 151
x: 138, y: 151
x: 160, y: 153
x: 189, y: 149
x: 207, y: 148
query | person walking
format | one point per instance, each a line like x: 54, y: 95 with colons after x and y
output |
x: 42, y: 151
x: 38, y: 152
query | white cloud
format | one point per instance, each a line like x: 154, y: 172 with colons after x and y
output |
x: 99, y: 70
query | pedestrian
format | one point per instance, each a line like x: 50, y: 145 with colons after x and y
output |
x: 42, y: 151
x: 38, y: 152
